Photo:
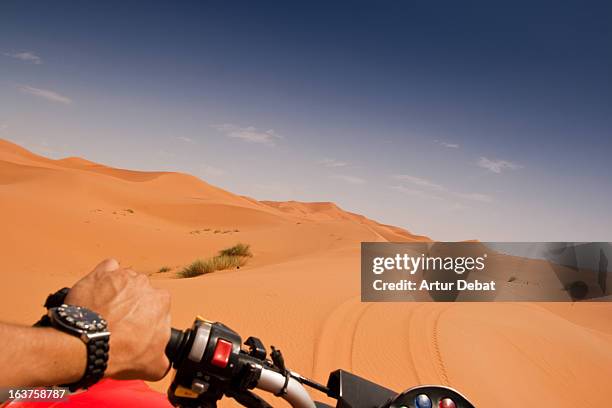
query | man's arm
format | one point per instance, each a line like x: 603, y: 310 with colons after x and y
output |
x: 138, y: 317
x: 37, y: 356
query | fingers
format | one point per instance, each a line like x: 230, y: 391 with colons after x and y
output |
x: 107, y: 265
x: 132, y: 273
x: 111, y: 267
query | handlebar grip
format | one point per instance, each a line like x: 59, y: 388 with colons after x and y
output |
x: 174, y: 346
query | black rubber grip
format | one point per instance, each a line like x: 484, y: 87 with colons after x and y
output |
x: 173, y: 348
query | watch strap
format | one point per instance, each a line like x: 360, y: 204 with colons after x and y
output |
x: 56, y: 299
x: 53, y: 300
x: 97, y: 360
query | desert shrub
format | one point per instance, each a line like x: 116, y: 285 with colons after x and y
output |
x: 229, y: 258
x: 164, y: 269
x: 197, y: 268
x: 241, y: 250
x: 222, y: 262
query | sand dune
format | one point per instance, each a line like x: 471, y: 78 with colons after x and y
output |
x: 300, y: 291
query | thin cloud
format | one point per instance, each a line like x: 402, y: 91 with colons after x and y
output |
x: 333, y: 163
x: 448, y: 145
x: 419, y: 182
x: 45, y: 94
x: 415, y: 192
x: 497, y: 166
x: 349, y: 179
x: 25, y: 56
x: 185, y: 139
x: 483, y: 198
x: 249, y: 134
x: 424, y: 188
x: 165, y: 154
x: 458, y: 207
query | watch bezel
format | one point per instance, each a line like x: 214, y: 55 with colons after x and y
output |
x: 90, y: 330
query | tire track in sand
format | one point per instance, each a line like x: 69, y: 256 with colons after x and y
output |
x: 345, y: 339
x: 425, y: 349
x: 436, y: 346
x: 334, y: 346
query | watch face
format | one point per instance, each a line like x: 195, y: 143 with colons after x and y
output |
x: 79, y: 318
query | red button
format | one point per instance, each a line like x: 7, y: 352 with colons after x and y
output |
x: 447, y: 403
x: 220, y: 357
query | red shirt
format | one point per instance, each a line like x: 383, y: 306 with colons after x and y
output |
x: 107, y: 394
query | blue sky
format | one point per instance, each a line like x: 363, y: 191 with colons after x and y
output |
x: 453, y: 119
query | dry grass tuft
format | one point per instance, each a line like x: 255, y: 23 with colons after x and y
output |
x: 229, y: 258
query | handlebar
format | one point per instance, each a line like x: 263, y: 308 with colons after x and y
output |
x: 295, y: 393
x: 210, y: 363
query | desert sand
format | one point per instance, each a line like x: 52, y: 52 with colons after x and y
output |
x: 300, y: 291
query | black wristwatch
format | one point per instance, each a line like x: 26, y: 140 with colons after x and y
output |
x: 92, y: 329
